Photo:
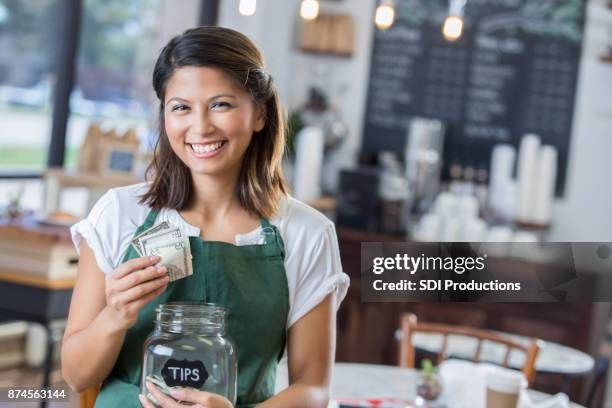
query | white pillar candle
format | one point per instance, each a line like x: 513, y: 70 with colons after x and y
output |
x: 501, y: 184
x: 546, y: 181
x: 308, y: 162
x: 527, y: 175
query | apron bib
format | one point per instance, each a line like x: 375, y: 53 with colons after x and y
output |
x: 250, y: 282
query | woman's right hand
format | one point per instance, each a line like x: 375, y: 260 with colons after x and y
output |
x: 131, y: 286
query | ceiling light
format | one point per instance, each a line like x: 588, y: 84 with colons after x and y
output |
x: 247, y: 7
x: 385, y: 14
x: 309, y: 10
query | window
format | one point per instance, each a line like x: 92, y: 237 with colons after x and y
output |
x: 119, y: 43
x: 27, y: 32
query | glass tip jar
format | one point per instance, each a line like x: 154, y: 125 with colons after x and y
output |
x: 189, y: 348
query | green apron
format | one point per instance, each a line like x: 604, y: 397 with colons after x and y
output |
x: 250, y: 281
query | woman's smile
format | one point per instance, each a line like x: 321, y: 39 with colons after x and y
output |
x: 203, y: 150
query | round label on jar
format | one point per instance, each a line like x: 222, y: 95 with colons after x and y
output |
x: 184, y: 373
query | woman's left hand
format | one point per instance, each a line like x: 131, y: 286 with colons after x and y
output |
x: 201, y: 399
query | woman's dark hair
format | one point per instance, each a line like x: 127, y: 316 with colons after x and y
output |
x: 260, y: 183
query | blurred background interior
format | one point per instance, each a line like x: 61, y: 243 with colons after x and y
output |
x: 428, y: 120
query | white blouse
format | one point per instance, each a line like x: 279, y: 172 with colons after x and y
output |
x: 312, y: 259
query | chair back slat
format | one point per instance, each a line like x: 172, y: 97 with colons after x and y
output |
x: 507, y: 356
x: 406, y: 348
x: 476, y: 357
x: 444, y: 350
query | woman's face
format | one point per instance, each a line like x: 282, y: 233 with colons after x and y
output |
x: 209, y: 120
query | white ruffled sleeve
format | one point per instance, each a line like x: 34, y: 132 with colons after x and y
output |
x: 321, y: 275
x: 100, y: 229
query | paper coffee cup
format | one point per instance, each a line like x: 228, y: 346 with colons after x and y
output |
x: 504, y: 387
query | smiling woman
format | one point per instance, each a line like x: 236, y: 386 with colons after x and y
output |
x: 270, y: 260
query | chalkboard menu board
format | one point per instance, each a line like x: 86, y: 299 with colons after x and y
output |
x: 513, y: 71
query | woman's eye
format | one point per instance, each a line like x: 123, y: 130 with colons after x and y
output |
x: 179, y: 108
x: 220, y: 105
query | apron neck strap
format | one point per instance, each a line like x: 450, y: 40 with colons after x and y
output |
x: 148, y: 223
x: 273, y: 239
x: 150, y: 220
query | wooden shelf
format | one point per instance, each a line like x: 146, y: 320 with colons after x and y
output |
x: 326, y: 53
x: 90, y: 180
x: 30, y: 229
x: 97, y: 184
x: 23, y: 278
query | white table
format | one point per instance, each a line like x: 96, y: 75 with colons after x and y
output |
x: 370, y: 381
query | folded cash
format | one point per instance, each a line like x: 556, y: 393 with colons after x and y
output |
x: 160, y: 384
x: 153, y: 230
x: 172, y: 246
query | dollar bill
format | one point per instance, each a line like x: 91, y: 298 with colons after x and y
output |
x: 173, y: 247
x: 164, y: 225
x: 159, y: 383
x: 163, y: 236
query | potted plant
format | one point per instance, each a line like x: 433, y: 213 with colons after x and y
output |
x: 429, y: 386
x: 13, y: 209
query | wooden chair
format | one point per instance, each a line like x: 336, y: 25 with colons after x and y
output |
x: 88, y: 397
x: 409, y: 325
